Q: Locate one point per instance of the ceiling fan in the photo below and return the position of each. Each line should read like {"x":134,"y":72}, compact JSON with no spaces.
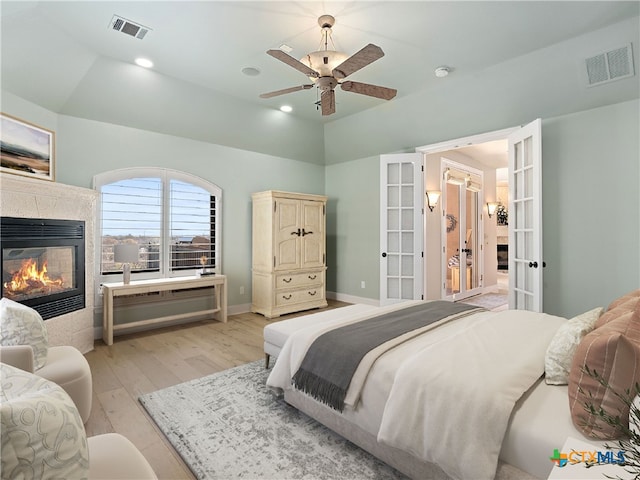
{"x":327,"y":69}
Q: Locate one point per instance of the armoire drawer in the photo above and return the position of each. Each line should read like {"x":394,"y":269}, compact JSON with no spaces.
{"x":309,"y":294}
{"x":293,"y":280}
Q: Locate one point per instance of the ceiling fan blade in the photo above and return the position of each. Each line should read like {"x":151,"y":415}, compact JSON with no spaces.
{"x":358,"y":60}
{"x":292,"y":62}
{"x":328,"y":102}
{"x":286,"y":90}
{"x":368,"y":89}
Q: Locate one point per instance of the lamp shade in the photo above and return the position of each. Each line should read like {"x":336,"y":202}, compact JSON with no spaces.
{"x":432,"y":198}
{"x":126,"y":253}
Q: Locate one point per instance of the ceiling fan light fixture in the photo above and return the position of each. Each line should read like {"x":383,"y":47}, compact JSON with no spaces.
{"x":286,"y":108}
{"x":323,"y":61}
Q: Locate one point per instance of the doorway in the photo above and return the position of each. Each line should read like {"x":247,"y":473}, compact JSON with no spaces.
{"x":488,"y":155}
{"x":423,"y":233}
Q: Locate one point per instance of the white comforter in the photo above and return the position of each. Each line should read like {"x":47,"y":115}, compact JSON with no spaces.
{"x":445,"y":397}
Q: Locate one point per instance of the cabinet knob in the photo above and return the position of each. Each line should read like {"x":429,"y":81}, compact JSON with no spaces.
{"x":312,"y":293}
{"x":384,"y":254}
{"x":286,"y":281}
{"x":312,"y":277}
{"x":286,"y":297}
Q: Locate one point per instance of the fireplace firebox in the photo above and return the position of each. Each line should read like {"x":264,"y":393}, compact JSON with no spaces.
{"x":43,"y":264}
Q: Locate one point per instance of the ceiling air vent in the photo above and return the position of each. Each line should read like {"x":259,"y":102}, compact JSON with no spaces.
{"x":609,"y":66}
{"x":132,"y":29}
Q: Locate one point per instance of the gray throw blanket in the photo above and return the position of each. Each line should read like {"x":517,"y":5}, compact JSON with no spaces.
{"x":332,"y":359}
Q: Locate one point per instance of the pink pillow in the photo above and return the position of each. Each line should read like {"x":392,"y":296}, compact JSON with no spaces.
{"x":613,"y":351}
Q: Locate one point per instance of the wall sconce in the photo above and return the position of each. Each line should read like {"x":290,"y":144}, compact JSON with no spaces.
{"x":491,"y":208}
{"x":432,"y":198}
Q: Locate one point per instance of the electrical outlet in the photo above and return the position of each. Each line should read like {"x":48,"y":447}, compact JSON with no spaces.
{"x":241,"y":290}
{"x":362,"y":284}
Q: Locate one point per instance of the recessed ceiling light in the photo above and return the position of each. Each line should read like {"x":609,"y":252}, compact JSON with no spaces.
{"x":286,"y":108}
{"x":251,"y":71}
{"x":144,"y":62}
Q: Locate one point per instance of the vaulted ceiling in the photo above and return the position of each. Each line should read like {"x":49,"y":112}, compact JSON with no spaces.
{"x":57,"y":53}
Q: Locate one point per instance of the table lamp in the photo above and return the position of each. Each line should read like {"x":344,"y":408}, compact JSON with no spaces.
{"x":126,"y":254}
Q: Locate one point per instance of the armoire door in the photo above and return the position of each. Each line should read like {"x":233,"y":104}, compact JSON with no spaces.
{"x":312,"y":240}
{"x":287,"y":234}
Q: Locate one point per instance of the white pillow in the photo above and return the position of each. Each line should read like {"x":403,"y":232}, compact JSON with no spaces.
{"x":42,"y":432}
{"x":22,"y":325}
{"x":557,"y":361}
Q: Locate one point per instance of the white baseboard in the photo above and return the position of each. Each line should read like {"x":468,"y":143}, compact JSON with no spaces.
{"x":237,"y":309}
{"x":343,"y":297}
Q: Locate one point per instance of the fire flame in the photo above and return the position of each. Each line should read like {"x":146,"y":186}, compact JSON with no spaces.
{"x":29,"y":279}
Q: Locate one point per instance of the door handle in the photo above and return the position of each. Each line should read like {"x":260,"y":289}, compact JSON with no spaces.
{"x":305,"y":233}
{"x":296,"y":233}
{"x":533,"y":264}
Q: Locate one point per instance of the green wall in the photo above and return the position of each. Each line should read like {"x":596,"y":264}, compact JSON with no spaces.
{"x":591,"y":206}
{"x":87,"y":147}
{"x":353,"y":224}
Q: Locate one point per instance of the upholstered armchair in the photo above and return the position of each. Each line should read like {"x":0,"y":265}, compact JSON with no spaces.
{"x":24,"y":344}
{"x":43,"y":435}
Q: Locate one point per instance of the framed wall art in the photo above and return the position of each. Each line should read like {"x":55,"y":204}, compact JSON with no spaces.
{"x":26,"y":149}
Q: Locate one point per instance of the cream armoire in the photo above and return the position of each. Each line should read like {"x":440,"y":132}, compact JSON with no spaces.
{"x":289,"y":249}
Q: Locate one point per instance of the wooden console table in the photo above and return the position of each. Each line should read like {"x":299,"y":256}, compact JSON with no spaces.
{"x":111,"y":290}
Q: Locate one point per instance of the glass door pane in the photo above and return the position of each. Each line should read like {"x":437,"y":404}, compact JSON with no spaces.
{"x":452,"y":244}
{"x":471,"y":243}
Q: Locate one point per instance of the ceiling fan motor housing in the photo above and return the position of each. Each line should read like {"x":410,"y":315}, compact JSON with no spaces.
{"x":327,"y":83}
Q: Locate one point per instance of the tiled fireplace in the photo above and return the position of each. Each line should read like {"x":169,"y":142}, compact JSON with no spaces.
{"x":69,"y":278}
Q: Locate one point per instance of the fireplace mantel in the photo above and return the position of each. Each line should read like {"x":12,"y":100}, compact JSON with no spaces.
{"x":32,"y":198}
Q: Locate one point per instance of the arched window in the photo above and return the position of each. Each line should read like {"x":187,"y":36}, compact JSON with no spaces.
{"x":173,"y":217}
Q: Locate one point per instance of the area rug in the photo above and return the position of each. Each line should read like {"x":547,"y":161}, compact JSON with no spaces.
{"x":230,"y":425}
{"x":488,"y":300}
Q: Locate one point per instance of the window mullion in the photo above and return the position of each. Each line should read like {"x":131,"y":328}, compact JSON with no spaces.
{"x":166,"y":226}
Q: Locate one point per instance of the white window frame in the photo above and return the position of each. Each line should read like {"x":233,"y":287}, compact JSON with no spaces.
{"x":165,"y":175}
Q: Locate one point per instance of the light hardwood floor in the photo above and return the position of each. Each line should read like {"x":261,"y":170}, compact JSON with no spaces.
{"x":144,"y":362}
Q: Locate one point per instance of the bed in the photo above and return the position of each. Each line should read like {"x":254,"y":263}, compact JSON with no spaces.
{"x":483,"y":359}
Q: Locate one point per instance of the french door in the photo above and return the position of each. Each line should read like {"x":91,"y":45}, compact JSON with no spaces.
{"x":401,"y":228}
{"x":525,"y":218}
{"x":462,"y":248}
{"x":402,"y":222}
